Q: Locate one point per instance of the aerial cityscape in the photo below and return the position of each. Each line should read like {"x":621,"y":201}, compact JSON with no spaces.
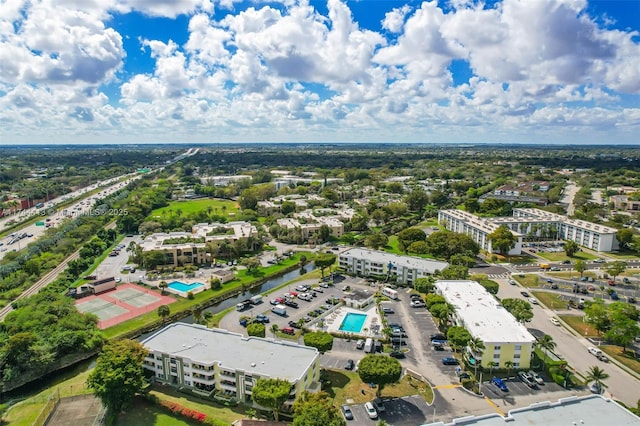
{"x":319,"y":213}
{"x":319,"y":284}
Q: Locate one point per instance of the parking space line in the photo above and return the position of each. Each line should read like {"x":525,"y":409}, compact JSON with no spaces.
{"x":495,"y":407}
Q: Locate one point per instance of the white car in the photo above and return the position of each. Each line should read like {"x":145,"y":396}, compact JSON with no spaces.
{"x":417,"y":304}
{"x":533,"y":300}
{"x":554,"y":321}
{"x":371,"y":411}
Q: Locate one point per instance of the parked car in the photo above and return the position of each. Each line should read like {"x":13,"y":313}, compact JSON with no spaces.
{"x":500,"y":384}
{"x":377,"y":346}
{"x":288,"y":330}
{"x":387,"y":310}
{"x":397,"y":354}
{"x":631,"y":299}
{"x":527,"y":379}
{"x":438,"y":336}
{"x":378,"y":404}
{"x":524,"y":293}
{"x":346,"y":412}
{"x":437,"y":345}
{"x":349,"y":365}
{"x":371,"y":411}
{"x":294,"y":324}
{"x":360,"y":344}
{"x":417,"y":304}
{"x":554,"y":321}
{"x":536,"y":377}
{"x":512,"y":282}
{"x":626,"y":280}
{"x":261,"y":318}
{"x":533,"y":300}
{"x":450,"y":361}
{"x":415,"y":296}
{"x":595,"y":388}
{"x":324,"y":285}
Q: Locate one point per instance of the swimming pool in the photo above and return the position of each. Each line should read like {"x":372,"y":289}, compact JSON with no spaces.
{"x":353,"y":323}
{"x":185,"y":288}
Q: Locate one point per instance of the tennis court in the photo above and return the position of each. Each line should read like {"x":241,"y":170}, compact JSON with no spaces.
{"x":125,"y":302}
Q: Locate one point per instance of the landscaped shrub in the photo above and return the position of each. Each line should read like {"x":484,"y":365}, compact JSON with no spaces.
{"x":188,"y":413}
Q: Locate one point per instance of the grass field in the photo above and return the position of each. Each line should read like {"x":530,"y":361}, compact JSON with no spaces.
{"x":560,"y":256}
{"x":346,"y":385}
{"x":627,"y":358}
{"x":220,"y":207}
{"x":550,"y":300}
{"x":143,"y":412}
{"x":527,"y":280}
{"x":578,"y":324}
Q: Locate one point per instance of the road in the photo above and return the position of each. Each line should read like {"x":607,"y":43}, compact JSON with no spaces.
{"x":573,"y":349}
{"x":568,"y":195}
{"x":51,"y":216}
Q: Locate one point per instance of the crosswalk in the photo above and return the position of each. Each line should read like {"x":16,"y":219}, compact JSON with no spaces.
{"x":504,"y":275}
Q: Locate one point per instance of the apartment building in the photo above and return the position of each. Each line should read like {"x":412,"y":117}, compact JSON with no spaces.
{"x":189,"y":248}
{"x":530,"y":223}
{"x":399,"y":269}
{"x":209,"y":360}
{"x":504,"y":338}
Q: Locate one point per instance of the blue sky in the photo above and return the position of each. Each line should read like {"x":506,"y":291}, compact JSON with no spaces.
{"x":511,"y":71}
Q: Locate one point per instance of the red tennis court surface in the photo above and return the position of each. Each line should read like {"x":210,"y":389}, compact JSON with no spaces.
{"x":125,"y":302}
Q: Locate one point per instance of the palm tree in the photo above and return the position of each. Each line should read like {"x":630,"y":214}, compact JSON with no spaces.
{"x":207,"y":316}
{"x":164,"y":311}
{"x":597,"y":375}
{"x":508,"y":365}
{"x":477,"y":347}
{"x":197,"y":314}
{"x":163,"y":286}
{"x":547,"y":344}
{"x":274,"y":330}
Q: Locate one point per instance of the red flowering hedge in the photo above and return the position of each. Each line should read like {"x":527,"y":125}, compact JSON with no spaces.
{"x":184,"y":411}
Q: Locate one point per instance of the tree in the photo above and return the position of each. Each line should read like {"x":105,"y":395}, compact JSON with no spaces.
{"x":580,"y":266}
{"x":274,"y":329}
{"x":571,"y":247}
{"x":458,"y":337}
{"x":316,"y":409}
{"x":520,"y":309}
{"x":596,"y":374}
{"x":324,"y":261}
{"x":616,"y":268}
{"x":215,"y":283}
{"x":256,"y":329}
{"x":379,"y":369}
{"x":377,"y":240}
{"x":409,"y":236}
{"x":417,"y":200}
{"x":490,"y":285}
{"x":163,"y":287}
{"x":464,"y":260}
{"x":502,"y":239}
{"x":424,"y":284}
{"x":320,"y":340}
{"x":547,"y":344}
{"x":118,"y":374}
{"x":251,"y":263}
{"x":477,"y":347}
{"x":624,"y":236}
{"x":271,"y":393}
{"x":441,"y":311}
{"x":508,"y":365}
{"x":623,"y":331}
{"x":455,"y":272}
{"x":164,"y":311}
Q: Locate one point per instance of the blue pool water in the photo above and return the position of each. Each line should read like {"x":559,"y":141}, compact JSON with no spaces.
{"x":353,"y":322}
{"x":185,"y":288}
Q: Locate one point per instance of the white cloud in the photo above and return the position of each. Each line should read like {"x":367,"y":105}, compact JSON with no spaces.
{"x":394,"y":20}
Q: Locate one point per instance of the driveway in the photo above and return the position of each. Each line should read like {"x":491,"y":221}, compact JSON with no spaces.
{"x":409,"y":411}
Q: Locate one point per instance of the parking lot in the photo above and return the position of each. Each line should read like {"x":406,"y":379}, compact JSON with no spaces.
{"x":409,"y":411}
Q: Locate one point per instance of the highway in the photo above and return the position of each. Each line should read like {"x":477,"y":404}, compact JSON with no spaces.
{"x":51,"y":217}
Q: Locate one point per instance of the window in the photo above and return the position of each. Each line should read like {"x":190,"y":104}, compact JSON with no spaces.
{"x":496,"y":356}
{"x":496,"y":348}
{"x":516,"y":365}
{"x":516,"y":356}
{"x":518,"y":347}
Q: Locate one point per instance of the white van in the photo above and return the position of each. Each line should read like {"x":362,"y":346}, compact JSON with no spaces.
{"x":368,"y":345}
{"x":390,"y":293}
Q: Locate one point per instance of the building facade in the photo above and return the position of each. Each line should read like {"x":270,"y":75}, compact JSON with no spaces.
{"x":529,"y":223}
{"x":504,"y":338}
{"x":212,"y":360}
{"x":399,"y":269}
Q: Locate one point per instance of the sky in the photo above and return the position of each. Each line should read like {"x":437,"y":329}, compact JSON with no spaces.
{"x":199,"y":71}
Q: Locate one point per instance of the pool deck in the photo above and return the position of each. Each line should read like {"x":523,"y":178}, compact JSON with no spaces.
{"x":333,"y":321}
{"x":187,"y":281}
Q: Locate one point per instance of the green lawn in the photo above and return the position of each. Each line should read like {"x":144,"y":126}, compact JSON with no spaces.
{"x":143,"y":412}
{"x":560,"y":256}
{"x":346,"y":385}
{"x":221,"y":207}
{"x":527,"y":280}
{"x":577,"y":323}
{"x":392,"y":247}
{"x":627,"y":358}
{"x":550,"y":300}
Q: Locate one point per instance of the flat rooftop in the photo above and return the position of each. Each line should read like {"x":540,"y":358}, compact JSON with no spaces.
{"x":427,"y":265}
{"x":482,"y":314}
{"x":592,"y":410}
{"x":264,"y":357}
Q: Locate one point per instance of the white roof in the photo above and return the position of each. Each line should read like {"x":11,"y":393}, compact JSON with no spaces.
{"x":481,"y":314}
{"x":427,"y":265}
{"x":208,"y":346}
